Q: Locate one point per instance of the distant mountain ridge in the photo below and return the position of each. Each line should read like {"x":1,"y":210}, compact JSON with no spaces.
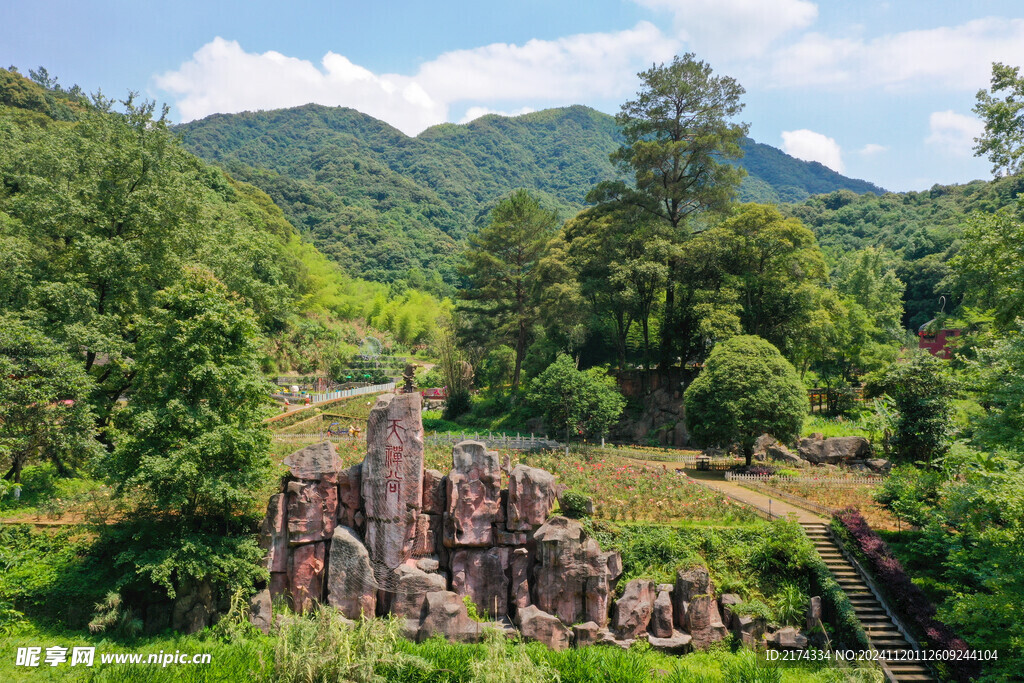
{"x":391,"y":206}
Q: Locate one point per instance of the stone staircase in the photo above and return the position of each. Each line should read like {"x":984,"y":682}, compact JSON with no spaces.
{"x":881,"y":630}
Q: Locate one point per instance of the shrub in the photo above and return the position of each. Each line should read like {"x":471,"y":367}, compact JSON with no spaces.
{"x":745,"y":389}
{"x":575,"y":504}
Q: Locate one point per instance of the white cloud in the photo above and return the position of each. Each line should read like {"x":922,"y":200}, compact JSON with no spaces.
{"x":733,"y":29}
{"x":954,"y":133}
{"x":810,"y":146}
{"x":223,"y":77}
{"x":957,"y":57}
{"x":872,"y":149}
{"x":473,"y":113}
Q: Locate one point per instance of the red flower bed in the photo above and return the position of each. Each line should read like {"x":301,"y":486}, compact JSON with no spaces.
{"x":908,"y":599}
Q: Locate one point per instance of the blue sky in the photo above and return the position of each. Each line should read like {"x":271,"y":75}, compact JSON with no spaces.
{"x":876,"y":90}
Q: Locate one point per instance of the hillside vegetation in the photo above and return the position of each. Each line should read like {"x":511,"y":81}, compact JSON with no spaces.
{"x":388,"y":206}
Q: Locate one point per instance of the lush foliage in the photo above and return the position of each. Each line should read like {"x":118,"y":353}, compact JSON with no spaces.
{"x":745,"y":389}
{"x":389,"y":207}
{"x":580,"y":401}
{"x":922,"y":391}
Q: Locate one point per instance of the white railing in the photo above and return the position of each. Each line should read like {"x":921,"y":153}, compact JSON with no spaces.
{"x":834,"y":481}
{"x":518,"y":442}
{"x":358,"y":391}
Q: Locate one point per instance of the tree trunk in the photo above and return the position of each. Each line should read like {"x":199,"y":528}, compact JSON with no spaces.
{"x":748,"y":452}
{"x":520,"y":355}
{"x":668,"y":321}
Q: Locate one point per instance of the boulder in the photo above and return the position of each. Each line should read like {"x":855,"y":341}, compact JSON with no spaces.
{"x":351,"y":586}
{"x":306,"y":575}
{"x":878,"y":465}
{"x":274,"y":534}
{"x":727,"y":602}
{"x":427,"y":564}
{"x":661,"y":617}
{"x":473,"y":496}
{"x":834,"y":450}
{"x":763,"y":442}
{"x":788,"y":638}
{"x":678,"y":643}
{"x":531,"y":495}
{"x":561,"y":571}
{"x":312,"y":509}
{"x":481,"y":575}
{"x":585,"y":634}
{"x":433,"y":492}
{"x":704,"y":621}
{"x":689,"y":584}
{"x":314,"y":462}
{"x":392,"y":480}
{"x":411,"y":588}
{"x":749,"y":630}
{"x":780,"y":453}
{"x":350,"y":498}
{"x":260,"y":610}
{"x":444,"y":614}
{"x":633,"y":610}
{"x":536,"y":624}
{"x":193,"y":608}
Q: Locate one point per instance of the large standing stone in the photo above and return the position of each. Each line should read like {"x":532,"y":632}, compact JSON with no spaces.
{"x":661,"y":618}
{"x":433,"y":492}
{"x":312,"y":509}
{"x":814,"y":614}
{"x":601,"y":570}
{"x":695,"y":608}
{"x":474,"y":495}
{"x":538,"y":625}
{"x":728,"y":601}
{"x":531,"y":495}
{"x":350,"y":496}
{"x":193,"y":608}
{"x":585,"y":634}
{"x":306,"y":575}
{"x":392,"y":481}
{"x":261,"y":611}
{"x":428,"y":535}
{"x":561,"y":570}
{"x":351,"y":586}
{"x":480,"y":574}
{"x":274,"y":534}
{"x":520,"y":587}
{"x":633,"y":610}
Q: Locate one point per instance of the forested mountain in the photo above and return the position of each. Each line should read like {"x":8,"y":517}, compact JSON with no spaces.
{"x":387,"y":206}
{"x":921,"y":228}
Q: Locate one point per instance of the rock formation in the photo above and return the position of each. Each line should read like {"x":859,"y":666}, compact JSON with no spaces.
{"x":386,"y":536}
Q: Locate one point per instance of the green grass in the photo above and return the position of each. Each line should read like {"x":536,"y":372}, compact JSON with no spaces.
{"x":834,"y":426}
{"x":319,"y":648}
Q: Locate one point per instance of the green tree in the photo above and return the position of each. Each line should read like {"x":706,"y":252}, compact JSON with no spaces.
{"x":1002,"y":110}
{"x":44,"y":408}
{"x":502,"y":295}
{"x":988,"y":270}
{"x":745,"y":389}
{"x":922,"y":389}
{"x":575,"y":400}
{"x":678,"y":134}
{"x":498,"y":367}
{"x":192,"y":443}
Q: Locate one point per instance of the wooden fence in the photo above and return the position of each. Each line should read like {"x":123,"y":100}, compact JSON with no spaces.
{"x":518,"y":442}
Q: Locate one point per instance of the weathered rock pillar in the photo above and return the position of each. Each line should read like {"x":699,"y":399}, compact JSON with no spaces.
{"x":392,"y":483}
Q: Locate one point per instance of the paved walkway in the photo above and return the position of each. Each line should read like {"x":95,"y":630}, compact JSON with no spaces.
{"x":761,"y":501}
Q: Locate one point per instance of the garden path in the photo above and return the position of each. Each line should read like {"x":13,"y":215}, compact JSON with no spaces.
{"x":761,"y":501}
